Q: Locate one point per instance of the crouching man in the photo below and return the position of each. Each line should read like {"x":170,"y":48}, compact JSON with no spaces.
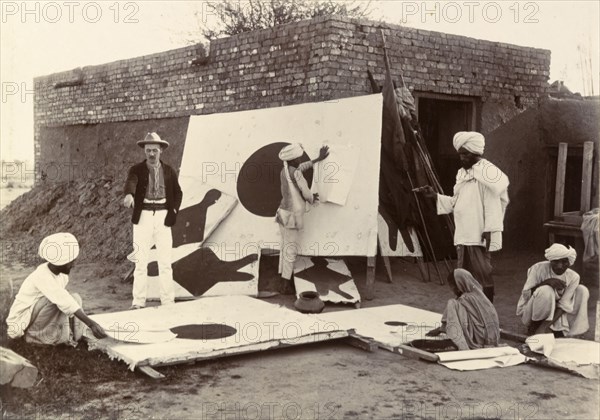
{"x":44,"y":312}
{"x":552,"y":300}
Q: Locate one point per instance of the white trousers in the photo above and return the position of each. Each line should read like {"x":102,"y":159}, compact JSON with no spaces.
{"x":288,"y":251}
{"x":542,"y":304}
{"x":149,"y":231}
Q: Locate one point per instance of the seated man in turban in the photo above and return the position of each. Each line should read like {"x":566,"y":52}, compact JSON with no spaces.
{"x":552,"y":300}
{"x":479,"y":203}
{"x":290,"y":214}
{"x":43,"y":311}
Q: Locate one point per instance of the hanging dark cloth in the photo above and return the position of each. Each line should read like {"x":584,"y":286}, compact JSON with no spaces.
{"x":395,"y":195}
{"x":401,"y":169}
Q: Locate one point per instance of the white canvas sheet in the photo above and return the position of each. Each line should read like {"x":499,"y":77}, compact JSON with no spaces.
{"x":334,"y":177}
{"x":223,"y":288}
{"x":565,"y":350}
{"x":573,"y":350}
{"x":371,"y":323}
{"x":218,"y":145}
{"x":260,"y":326}
{"x":244,"y":288}
{"x":479,"y":359}
{"x":401,"y":250}
{"x":579,"y":356}
{"x":212,"y":206}
{"x":333,"y":282}
{"x":217,"y":210}
{"x":131,"y":334}
{"x":154,"y":291}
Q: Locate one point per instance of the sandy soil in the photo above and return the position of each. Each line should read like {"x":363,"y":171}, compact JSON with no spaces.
{"x":326,"y":380}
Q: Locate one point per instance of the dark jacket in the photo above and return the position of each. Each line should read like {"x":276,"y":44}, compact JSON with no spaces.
{"x":137,"y":184}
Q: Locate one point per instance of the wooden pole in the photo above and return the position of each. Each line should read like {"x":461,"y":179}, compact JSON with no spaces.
{"x":385,"y":48}
{"x":369,"y":292}
{"x":586,"y":176}
{"x":437,"y":269}
{"x":561,"y":168}
{"x":412,"y":186}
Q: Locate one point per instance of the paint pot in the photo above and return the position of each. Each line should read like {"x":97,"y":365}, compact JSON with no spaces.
{"x":309,"y":303}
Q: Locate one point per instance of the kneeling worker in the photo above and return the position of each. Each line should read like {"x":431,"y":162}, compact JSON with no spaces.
{"x":552,"y":300}
{"x":43,"y":309}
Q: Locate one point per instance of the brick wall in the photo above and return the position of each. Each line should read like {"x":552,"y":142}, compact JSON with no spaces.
{"x":320,"y":59}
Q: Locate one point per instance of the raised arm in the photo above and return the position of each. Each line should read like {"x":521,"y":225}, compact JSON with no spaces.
{"x":323,"y":153}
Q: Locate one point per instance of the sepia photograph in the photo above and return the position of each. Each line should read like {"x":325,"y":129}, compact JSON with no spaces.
{"x":300,"y":209}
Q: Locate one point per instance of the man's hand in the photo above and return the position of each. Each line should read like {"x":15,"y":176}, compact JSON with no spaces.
{"x":435,"y":332}
{"x":97,"y":330}
{"x":315,"y":197}
{"x":487,"y":237}
{"x":128,"y":201}
{"x":323,"y":153}
{"x":556,"y":284}
{"x":427,"y":191}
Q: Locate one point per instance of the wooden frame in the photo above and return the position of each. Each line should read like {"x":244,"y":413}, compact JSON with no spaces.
{"x":255,"y":326}
{"x":472,"y":100}
{"x":568,"y":223}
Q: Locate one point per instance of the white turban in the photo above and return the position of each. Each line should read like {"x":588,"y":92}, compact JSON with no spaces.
{"x":291,"y":151}
{"x":473,"y":141}
{"x":558,"y":252}
{"x":59,"y":248}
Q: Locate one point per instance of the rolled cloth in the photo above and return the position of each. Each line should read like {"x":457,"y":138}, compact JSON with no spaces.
{"x":59,"y":248}
{"x":473,"y":141}
{"x":558,"y":252}
{"x":291,"y":151}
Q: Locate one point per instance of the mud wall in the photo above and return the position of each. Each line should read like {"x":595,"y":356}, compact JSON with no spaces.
{"x":522,"y":148}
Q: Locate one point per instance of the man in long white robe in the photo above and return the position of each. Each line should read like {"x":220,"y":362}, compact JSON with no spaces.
{"x":552,"y":299}
{"x":479,"y":203}
{"x":290,"y":214}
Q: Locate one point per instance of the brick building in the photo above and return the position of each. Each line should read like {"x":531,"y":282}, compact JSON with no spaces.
{"x":314,"y":60}
{"x":86,"y":120}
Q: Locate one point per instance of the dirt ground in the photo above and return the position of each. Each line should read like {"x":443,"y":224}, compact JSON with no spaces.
{"x":326,"y":380}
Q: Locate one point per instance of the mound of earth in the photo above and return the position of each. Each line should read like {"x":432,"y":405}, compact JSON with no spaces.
{"x":90,"y":209}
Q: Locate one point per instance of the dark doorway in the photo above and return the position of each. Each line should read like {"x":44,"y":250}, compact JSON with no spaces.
{"x":440,"y":119}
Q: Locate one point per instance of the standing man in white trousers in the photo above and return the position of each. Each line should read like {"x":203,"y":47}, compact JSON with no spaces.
{"x":152,"y":189}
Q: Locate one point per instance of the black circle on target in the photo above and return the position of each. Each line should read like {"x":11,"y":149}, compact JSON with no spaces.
{"x":258,"y":184}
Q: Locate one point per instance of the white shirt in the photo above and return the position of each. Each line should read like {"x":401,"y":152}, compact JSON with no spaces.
{"x":41,"y":283}
{"x":479,"y":203}
{"x":541,"y":271}
{"x":290,"y":213}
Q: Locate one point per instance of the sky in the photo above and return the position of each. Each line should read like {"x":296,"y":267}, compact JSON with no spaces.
{"x":43,"y":37}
